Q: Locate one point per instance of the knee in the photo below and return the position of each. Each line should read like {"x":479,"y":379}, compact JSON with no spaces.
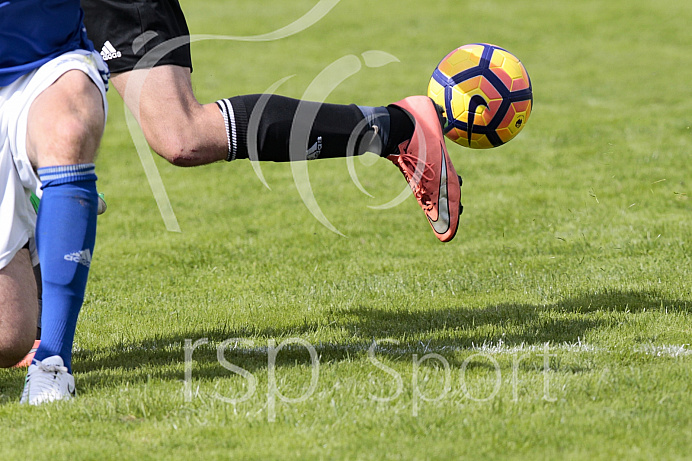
{"x":81,"y":136}
{"x":14,"y":347}
{"x":178,"y":147}
{"x":185,"y":135}
{"x":82,"y":130}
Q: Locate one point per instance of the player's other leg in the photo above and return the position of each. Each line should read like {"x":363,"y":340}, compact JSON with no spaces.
{"x":187,"y":133}
{"x":18,"y":309}
{"x":267,"y":127}
{"x":275,"y":128}
{"x":29,"y":357}
{"x":64,"y":126}
{"x":154,"y":80}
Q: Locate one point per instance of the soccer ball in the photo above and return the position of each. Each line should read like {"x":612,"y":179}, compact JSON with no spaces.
{"x":486,"y":95}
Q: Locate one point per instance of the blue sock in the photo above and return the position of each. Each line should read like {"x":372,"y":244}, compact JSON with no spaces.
{"x":65,"y":236}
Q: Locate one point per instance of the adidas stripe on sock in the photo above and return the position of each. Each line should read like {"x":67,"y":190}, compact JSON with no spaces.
{"x":226,"y":109}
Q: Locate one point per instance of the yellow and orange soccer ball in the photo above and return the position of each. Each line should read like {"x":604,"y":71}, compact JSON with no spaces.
{"x":486,"y":95}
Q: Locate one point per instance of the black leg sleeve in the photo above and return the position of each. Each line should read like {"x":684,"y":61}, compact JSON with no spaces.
{"x":280,"y":129}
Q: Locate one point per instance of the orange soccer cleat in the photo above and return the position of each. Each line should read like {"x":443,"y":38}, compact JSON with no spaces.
{"x":425,"y":163}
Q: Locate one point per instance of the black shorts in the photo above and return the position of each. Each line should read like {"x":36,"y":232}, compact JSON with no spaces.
{"x":126,"y":32}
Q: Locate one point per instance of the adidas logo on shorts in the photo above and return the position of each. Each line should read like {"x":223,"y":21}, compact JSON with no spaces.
{"x":109,"y":52}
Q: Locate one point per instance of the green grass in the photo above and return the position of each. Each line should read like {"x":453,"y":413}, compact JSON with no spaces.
{"x":575,"y":242}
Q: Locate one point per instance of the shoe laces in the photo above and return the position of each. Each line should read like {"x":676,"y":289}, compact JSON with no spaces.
{"x":409,"y":164}
{"x":51,"y":368}
{"x":45,"y":376}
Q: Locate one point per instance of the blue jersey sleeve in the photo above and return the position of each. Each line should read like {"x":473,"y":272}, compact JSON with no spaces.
{"x":32,"y":32}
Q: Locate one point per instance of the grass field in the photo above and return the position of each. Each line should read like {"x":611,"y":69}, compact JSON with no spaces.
{"x":557,"y":325}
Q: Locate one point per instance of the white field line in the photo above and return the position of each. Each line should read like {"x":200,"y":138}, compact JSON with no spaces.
{"x":665,"y":350}
{"x":390,"y":346}
{"x":499,"y":348}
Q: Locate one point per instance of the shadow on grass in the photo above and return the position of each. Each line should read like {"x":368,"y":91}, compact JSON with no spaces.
{"x":416,"y":331}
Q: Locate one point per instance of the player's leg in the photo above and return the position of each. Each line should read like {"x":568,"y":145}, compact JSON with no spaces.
{"x":276,"y":128}
{"x":188,"y":133}
{"x":64,"y":128}
{"x":152,"y":72}
{"x":146,"y":45}
{"x":18,"y":292}
{"x":29,"y":357}
{"x":18,"y":309}
{"x":64,"y":125}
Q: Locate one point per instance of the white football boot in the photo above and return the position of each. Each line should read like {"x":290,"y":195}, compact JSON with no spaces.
{"x":47,"y":381}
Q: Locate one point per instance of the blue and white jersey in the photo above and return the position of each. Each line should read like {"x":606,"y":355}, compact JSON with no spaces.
{"x":32,"y":32}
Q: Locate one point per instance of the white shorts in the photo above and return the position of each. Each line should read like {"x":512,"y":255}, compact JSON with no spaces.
{"x":17,"y":176}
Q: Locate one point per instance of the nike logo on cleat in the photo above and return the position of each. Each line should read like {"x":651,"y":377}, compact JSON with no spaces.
{"x":441,"y":224}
